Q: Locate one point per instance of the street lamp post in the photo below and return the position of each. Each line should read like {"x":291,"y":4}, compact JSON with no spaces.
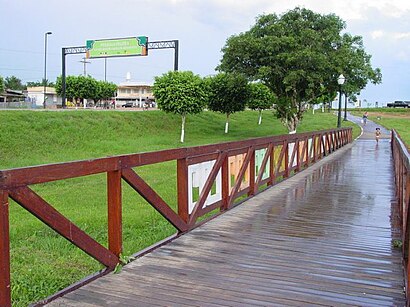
{"x":345,"y":116}
{"x":45,"y":67}
{"x":340,"y":80}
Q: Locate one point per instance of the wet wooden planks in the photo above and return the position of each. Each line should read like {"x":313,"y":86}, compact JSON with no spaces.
{"x":322,"y":238}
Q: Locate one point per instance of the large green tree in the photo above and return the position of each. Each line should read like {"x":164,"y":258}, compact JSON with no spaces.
{"x":228,"y":93}
{"x":180,"y":92}
{"x":78,"y":87}
{"x":356,"y":65}
{"x":295,"y":55}
{"x":14,"y":83}
{"x":261,"y":98}
{"x":2,"y":88}
{"x":104,"y":91}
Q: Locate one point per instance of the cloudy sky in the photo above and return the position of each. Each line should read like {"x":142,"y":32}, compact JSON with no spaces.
{"x":201,"y":27}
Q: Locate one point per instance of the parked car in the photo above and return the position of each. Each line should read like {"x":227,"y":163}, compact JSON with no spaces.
{"x":128,"y":104}
{"x":399,"y":104}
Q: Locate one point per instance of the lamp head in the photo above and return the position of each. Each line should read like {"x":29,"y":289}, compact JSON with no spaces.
{"x":48,"y":33}
{"x":341,"y":79}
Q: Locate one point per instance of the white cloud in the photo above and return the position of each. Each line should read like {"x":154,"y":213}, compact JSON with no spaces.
{"x":377,"y":34}
{"x":401,"y":36}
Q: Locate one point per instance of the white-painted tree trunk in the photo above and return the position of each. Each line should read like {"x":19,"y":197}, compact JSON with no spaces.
{"x":260,"y":117}
{"x":313,"y":112}
{"x":292,"y":132}
{"x":227,"y":123}
{"x":183,"y":129}
{"x":323,"y":107}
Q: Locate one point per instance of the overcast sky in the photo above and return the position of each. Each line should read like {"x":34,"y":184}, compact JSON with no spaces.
{"x":201,"y":27}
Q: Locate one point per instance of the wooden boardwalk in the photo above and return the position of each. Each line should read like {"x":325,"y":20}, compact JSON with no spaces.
{"x":321,"y":238}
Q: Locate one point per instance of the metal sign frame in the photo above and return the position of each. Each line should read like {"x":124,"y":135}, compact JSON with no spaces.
{"x":171,"y":44}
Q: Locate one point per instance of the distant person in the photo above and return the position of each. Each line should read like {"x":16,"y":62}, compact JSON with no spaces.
{"x":378,"y":134}
{"x":364,"y":118}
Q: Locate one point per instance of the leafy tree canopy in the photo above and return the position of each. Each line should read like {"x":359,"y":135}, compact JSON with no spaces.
{"x":104,"y":90}
{"x":261,"y":97}
{"x":356,"y":65}
{"x":2,"y":88}
{"x":80,"y":87}
{"x":180,"y":92}
{"x":295,"y":55}
{"x":228,"y":93}
{"x":14,"y":83}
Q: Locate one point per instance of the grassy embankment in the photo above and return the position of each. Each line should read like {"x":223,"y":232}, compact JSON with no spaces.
{"x":42,"y":261}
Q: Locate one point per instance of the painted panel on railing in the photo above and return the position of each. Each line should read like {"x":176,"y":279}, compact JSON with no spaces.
{"x":197,"y":177}
{"x":301,"y":148}
{"x":259,"y":155}
{"x":322,"y":151}
{"x":310,"y":150}
{"x":276,"y":155}
{"x":291,"y":147}
{"x":235,"y":164}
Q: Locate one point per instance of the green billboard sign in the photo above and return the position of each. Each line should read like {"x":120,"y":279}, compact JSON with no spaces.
{"x":103,"y":48}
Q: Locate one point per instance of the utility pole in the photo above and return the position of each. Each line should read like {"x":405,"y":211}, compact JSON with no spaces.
{"x":45,"y":69}
{"x":85,"y":62}
{"x":105,"y":69}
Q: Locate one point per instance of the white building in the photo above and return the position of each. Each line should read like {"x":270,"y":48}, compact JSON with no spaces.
{"x":36,"y":95}
{"x":136,"y":93}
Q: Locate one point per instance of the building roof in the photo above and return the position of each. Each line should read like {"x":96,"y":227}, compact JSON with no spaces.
{"x":13,"y":93}
{"x":40,"y":90}
{"x":134,"y":84}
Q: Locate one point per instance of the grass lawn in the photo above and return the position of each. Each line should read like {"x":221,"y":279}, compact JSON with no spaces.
{"x":42,"y":261}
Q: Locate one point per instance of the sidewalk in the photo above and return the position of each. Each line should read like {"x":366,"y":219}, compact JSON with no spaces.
{"x":369,"y":129}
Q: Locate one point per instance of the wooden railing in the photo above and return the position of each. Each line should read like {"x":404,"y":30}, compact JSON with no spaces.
{"x":401,"y":158}
{"x":209,"y":179}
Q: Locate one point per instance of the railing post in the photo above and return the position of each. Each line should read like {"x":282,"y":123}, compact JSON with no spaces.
{"x":314,"y":149}
{"x":272,"y":166}
{"x":252,"y":165}
{"x":114,"y":212}
{"x":5,"y":289}
{"x":297,"y":145}
{"x":286,"y":144}
{"x":225,"y":184}
{"x":182,"y":186}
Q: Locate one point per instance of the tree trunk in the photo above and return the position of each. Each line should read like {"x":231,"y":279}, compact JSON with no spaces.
{"x":227,"y":123}
{"x":183,"y":128}
{"x":291,"y":124}
{"x":260,"y":117}
{"x":313,"y":108}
